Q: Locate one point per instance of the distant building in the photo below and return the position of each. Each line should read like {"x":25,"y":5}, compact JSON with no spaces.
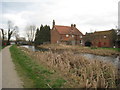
{"x":66,"y":35}
{"x":100,"y":38}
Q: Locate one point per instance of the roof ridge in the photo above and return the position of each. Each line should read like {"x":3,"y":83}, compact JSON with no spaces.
{"x":103,"y":31}
{"x":67,"y":29}
{"x":62,"y":26}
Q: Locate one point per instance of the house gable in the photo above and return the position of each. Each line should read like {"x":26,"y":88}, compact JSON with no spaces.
{"x":55,"y":36}
{"x":65,"y":33}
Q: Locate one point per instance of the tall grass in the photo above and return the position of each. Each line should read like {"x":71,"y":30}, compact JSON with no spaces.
{"x":32,"y":74}
{"x":82,"y":72}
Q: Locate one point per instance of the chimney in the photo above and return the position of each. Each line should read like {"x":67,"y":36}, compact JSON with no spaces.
{"x":75,"y":25}
{"x":72,"y":26}
{"x":53,"y":23}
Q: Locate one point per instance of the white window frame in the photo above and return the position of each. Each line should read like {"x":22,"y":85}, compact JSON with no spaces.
{"x":105,"y":36}
{"x":67,"y":35}
{"x":57,"y":41}
{"x":81,"y":36}
{"x":81,"y":42}
{"x":72,"y":35}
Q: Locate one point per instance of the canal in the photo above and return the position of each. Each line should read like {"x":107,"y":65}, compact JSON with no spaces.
{"x":112,"y":59}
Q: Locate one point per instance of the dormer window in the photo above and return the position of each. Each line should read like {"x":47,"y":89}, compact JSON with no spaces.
{"x":80,"y":36}
{"x":72,"y":35}
{"x":67,"y":35}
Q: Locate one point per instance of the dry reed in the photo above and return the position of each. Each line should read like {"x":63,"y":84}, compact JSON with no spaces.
{"x":84,"y":73}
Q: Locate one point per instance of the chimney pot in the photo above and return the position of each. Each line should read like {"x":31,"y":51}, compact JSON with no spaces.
{"x":53,"y":23}
{"x":71,"y":25}
{"x":74,"y":25}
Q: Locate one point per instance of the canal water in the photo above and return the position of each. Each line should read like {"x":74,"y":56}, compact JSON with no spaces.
{"x":33,"y":48}
{"x":114,"y":60}
{"x":111,"y":59}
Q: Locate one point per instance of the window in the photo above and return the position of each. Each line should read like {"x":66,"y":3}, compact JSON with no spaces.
{"x":72,"y":35}
{"x":104,"y":36}
{"x":80,"y":36}
{"x":67,"y":35}
{"x":81,"y":42}
{"x":57,"y":41}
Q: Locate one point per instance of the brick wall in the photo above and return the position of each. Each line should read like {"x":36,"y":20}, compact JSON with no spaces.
{"x":99,"y":40}
{"x":55,"y":36}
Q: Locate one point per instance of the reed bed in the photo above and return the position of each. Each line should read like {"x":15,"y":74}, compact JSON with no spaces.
{"x":79,"y":72}
{"x":81,"y":49}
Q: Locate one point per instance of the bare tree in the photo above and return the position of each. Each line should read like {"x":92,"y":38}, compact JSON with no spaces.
{"x":30,"y":32}
{"x":3,"y":36}
{"x":3,"y":33}
{"x":16,"y":34}
{"x":11,"y":30}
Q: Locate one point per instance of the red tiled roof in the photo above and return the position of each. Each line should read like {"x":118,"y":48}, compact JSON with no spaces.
{"x":67,"y":30}
{"x":104,"y":32}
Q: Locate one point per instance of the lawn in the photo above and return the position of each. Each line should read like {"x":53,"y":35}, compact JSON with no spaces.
{"x":32,"y":74}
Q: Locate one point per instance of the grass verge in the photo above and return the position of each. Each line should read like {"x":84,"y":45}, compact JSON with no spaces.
{"x":1,"y":47}
{"x":32,"y":74}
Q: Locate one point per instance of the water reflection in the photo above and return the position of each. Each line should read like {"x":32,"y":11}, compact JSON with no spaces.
{"x":114,"y":60}
{"x":33,"y":48}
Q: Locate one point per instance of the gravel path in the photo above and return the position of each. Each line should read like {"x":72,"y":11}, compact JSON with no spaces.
{"x":10,"y":78}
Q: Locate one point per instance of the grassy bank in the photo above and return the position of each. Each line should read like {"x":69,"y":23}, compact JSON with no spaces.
{"x":32,"y":74}
{"x":1,"y":47}
{"x":79,"y":71}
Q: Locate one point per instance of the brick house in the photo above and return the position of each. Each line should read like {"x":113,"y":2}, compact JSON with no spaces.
{"x":100,"y":38}
{"x":66,"y":34}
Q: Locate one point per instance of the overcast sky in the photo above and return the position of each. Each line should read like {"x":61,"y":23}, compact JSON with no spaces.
{"x":88,"y":15}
